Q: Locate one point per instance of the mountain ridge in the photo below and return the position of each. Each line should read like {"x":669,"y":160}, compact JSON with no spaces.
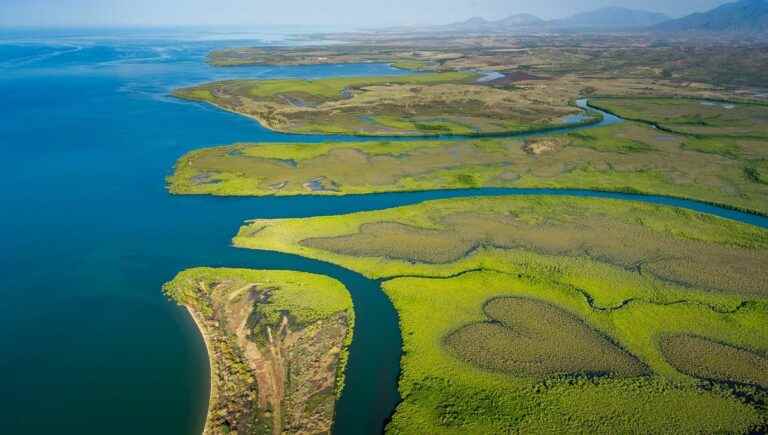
{"x":744,"y":16}
{"x":613,"y":17}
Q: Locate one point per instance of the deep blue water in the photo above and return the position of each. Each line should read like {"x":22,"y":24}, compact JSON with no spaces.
{"x":89,"y":234}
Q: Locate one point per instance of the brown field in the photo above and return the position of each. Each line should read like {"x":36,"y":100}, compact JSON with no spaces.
{"x":531,"y":338}
{"x":685,"y":61}
{"x":707,"y":359}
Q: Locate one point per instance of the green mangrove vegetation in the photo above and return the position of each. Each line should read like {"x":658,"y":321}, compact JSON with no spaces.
{"x":693,"y":117}
{"x":517,"y":314}
{"x":553,"y":314}
{"x":630,"y":157}
{"x":277,"y":343}
{"x":545,"y":339}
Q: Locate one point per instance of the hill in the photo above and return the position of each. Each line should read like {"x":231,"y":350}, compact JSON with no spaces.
{"x":479,"y":24}
{"x":749,"y":16}
{"x":617,"y":17}
{"x":610,"y":17}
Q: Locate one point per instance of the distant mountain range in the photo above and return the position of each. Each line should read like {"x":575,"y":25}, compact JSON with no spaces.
{"x":478,"y":24}
{"x":750,"y":16}
{"x":613,"y":17}
{"x":741,"y":16}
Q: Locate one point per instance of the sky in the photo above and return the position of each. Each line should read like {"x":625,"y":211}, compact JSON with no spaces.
{"x":341,"y":13}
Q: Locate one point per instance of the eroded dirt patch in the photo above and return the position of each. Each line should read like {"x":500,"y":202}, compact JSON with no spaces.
{"x":276,"y":354}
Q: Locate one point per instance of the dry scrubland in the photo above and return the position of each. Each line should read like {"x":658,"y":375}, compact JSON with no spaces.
{"x":405,"y":59}
{"x":605,"y":56}
{"x":550,"y":325}
{"x":277,"y":344}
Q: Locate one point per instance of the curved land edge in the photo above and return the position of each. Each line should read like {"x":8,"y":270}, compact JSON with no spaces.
{"x":589,"y":122}
{"x":258,"y":324}
{"x":660,"y":127}
{"x":478,"y":175}
{"x":205,"y":335}
{"x":625,"y":194}
{"x":426,"y":105}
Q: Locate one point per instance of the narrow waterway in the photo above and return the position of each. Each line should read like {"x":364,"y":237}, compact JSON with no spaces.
{"x":89,"y":235}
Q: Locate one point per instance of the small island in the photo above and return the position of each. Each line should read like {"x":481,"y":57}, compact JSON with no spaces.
{"x":277,"y":343}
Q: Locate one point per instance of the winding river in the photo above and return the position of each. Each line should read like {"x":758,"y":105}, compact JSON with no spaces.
{"x":90,"y":234}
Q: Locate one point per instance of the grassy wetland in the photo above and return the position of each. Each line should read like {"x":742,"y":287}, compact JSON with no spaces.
{"x":519,"y":314}
{"x":629,"y":157}
{"x":277,"y":344}
{"x":701,"y":118}
{"x":450,"y":103}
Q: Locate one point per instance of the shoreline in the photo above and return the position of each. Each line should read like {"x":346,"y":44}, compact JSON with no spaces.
{"x":554,"y":128}
{"x":203,"y":331}
{"x":503,"y":191}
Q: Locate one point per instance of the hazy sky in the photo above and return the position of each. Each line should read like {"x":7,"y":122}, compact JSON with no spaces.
{"x":342,"y":13}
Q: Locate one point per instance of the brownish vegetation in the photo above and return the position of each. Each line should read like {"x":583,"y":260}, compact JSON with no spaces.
{"x":718,"y":61}
{"x":532,"y":338}
{"x":635,"y":247}
{"x":707,"y":359}
{"x":274,"y":365}
{"x":420,"y":104}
